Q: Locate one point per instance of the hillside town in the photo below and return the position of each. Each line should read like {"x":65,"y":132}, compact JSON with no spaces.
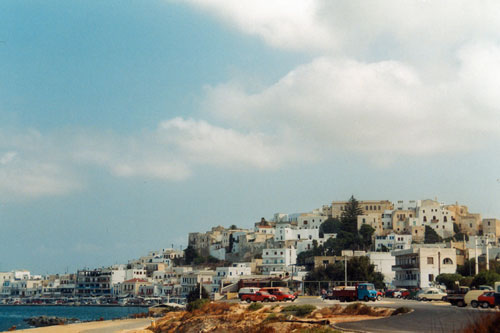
{"x":409,"y":243}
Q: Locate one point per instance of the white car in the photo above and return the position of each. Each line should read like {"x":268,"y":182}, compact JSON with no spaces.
{"x":431,"y":294}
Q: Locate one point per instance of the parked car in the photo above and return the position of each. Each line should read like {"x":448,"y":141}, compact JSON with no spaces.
{"x":431,"y":294}
{"x":487,"y":300}
{"x":282,"y":294}
{"x":260,"y":296}
{"x":390,"y":292}
{"x":380,"y":294}
{"x":247,"y":291}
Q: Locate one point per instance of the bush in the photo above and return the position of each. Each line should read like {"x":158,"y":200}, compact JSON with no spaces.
{"x":255,"y":306}
{"x":272,"y":317}
{"x":300,"y":310}
{"x":448,"y":280}
{"x":399,"y":310}
{"x":485,"y":278}
{"x":196,"y":305}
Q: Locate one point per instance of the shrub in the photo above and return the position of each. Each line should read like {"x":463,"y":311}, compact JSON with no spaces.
{"x":196,"y":305}
{"x":399,"y":310}
{"x":271,"y":317}
{"x":255,"y":306}
{"x":300,"y":310}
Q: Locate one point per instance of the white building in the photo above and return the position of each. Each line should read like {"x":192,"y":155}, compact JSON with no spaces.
{"x":433,"y":214}
{"x":308,"y":244}
{"x":135,"y":273}
{"x":190,"y":280}
{"x":230,"y":274}
{"x":419,"y":266}
{"x":218,"y":251}
{"x":383,"y":262}
{"x":279,"y":260}
{"x":310,"y":221}
{"x":22,"y":275}
{"x":285,"y":232}
{"x":393,"y":242}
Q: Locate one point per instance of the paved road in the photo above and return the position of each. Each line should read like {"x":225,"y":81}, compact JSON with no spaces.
{"x":426,"y":317}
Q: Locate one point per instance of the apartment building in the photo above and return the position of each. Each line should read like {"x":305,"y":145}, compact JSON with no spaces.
{"x":278,"y":260}
{"x":491,"y":226}
{"x":368,"y":207}
{"x":393,"y":242}
{"x":419,"y":265}
{"x":95,"y":282}
{"x":373,"y":220}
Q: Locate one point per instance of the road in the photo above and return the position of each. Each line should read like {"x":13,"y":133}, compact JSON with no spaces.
{"x":426,"y":317}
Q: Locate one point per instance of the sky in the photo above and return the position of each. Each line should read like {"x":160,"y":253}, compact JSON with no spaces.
{"x":126,"y":125}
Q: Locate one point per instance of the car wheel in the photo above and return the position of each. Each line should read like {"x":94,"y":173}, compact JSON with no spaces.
{"x":474,"y":304}
{"x":366,"y":299}
{"x":461,"y":304}
{"x":379,"y":298}
{"x":485,"y":305}
{"x":265,"y":300}
{"x":249,"y":300}
{"x":424,"y":299}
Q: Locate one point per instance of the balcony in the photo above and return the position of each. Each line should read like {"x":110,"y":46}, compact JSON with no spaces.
{"x":406,"y":266}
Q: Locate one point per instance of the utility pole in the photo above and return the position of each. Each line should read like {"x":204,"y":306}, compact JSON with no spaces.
{"x":475,"y":255}
{"x":200,"y":289}
{"x":345,"y":270}
{"x":487,"y":256}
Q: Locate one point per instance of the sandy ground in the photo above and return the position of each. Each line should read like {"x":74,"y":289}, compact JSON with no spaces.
{"x":111,"y":326}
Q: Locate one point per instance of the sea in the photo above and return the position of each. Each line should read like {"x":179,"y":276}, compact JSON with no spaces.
{"x":13,"y":315}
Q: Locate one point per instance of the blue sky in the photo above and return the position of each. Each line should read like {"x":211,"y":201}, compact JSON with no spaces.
{"x":124,"y":126}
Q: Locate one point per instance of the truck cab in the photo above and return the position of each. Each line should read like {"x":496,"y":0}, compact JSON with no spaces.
{"x":366,"y":291}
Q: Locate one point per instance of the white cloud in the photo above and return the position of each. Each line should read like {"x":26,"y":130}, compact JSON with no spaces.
{"x":202,"y":143}
{"x":356,"y":25}
{"x":31,"y":166}
{"x":374,"y":108}
{"x":281,"y":23}
{"x":33,"y":178}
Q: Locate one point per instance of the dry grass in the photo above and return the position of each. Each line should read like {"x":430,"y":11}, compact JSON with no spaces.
{"x":487,"y":324}
{"x":227,"y":317}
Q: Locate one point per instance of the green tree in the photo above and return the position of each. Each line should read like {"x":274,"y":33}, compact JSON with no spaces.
{"x":358,"y":269}
{"x":366,"y":231}
{"x":349,"y":216}
{"x":431,"y":236}
{"x":233,"y":227}
{"x":195,"y":294}
{"x":449,"y":280}
{"x":190,"y":254}
{"x":468,"y":268}
{"x":330,"y":226}
{"x":485,"y":278}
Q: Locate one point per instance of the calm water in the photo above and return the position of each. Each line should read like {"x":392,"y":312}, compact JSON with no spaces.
{"x":14,"y":315}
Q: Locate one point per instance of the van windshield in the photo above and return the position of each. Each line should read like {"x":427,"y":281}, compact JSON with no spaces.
{"x":369,"y":287}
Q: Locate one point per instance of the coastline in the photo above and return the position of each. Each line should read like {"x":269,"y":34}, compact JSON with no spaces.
{"x":119,"y":325}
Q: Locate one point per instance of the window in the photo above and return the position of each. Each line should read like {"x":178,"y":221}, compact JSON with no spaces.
{"x":425,"y":218}
{"x":447,"y":261}
{"x":430,"y":261}
{"x":431,"y":277}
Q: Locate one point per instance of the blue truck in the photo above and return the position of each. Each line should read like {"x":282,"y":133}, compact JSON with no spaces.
{"x":361,"y":292}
